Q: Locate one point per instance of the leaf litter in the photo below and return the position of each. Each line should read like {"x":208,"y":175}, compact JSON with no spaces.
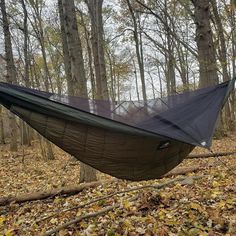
{"x":206,"y":206}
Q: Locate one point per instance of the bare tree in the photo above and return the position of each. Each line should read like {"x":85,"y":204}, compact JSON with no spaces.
{"x":206,"y":48}
{"x":97,"y":40}
{"x":24,"y":127}
{"x":11,"y":70}
{"x":2,"y":135}
{"x":138,"y":45}
{"x":66,"y":56}
{"x":223,"y":59}
{"x":77,"y":84}
{"x":37,"y":25}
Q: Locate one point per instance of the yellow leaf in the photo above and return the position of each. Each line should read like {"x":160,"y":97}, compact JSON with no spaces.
{"x":8,"y":232}
{"x":96,"y":208}
{"x":127,"y":224}
{"x":230,"y":201}
{"x":57,"y":200}
{"x":221,"y":204}
{"x":215,"y":184}
{"x":126,"y":204}
{"x":162,"y":214}
{"x":195,"y":206}
{"x":2,"y":220}
{"x":54,"y":221}
{"x":216,"y":193}
{"x":171,"y":223}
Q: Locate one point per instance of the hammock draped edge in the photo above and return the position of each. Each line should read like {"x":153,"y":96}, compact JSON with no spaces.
{"x":133,"y":151}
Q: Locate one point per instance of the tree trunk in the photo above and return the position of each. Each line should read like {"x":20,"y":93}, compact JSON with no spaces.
{"x":223,"y":61}
{"x":66,"y":56}
{"x":138,"y":48}
{"x":87,"y":173}
{"x":39,"y":31}
{"x":37,"y":26}
{"x":2,"y":135}
{"x":25,"y":128}
{"x":97,"y":32}
{"x":26,"y":53}
{"x":170,"y":59}
{"x":136,"y":79}
{"x":11,"y":71}
{"x":24,"y":133}
{"x":78,"y":83}
{"x":90,"y":57}
{"x":205,"y":45}
{"x":233,"y":43}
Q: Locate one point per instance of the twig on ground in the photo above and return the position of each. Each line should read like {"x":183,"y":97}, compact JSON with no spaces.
{"x":216,"y":154}
{"x":184,"y":170}
{"x":159,"y":186}
{"x":78,"y":219}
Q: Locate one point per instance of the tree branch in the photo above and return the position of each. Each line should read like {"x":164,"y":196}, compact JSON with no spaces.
{"x":78,"y":219}
{"x":216,"y":154}
{"x":160,"y":186}
{"x":70,"y":190}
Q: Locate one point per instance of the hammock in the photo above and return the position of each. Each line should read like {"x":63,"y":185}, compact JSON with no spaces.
{"x":132,"y":140}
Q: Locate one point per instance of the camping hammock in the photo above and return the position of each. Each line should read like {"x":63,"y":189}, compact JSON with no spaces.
{"x":133,"y":140}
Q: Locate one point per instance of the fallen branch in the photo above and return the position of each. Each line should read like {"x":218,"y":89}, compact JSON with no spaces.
{"x":183,"y":170}
{"x":22,"y":154}
{"x":78,"y":219}
{"x":71,"y":190}
{"x":104,"y":210}
{"x":216,"y":154}
{"x":159,"y":186}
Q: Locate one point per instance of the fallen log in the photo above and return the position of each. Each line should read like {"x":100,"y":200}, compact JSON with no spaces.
{"x":207,"y":155}
{"x":70,"y":190}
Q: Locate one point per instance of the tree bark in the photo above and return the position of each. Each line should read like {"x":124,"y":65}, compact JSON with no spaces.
{"x":37,"y":26}
{"x":2,"y":135}
{"x":205,"y":45}
{"x":233,"y":43}
{"x":97,"y":32}
{"x":77,"y":86}
{"x":169,"y":54}
{"x":90,"y":56}
{"x":66,"y":56}
{"x":138,"y":48}
{"x":25,"y":128}
{"x":11,"y":71}
{"x":223,"y":60}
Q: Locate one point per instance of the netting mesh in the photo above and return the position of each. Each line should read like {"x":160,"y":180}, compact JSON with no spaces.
{"x":189,"y":117}
{"x":129,"y":112}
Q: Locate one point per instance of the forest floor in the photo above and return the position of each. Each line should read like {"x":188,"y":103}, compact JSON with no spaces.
{"x":205,"y":206}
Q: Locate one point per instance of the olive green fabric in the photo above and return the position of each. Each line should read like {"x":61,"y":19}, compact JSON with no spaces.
{"x":122,"y":155}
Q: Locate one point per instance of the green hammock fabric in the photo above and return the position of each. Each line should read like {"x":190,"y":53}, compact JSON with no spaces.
{"x":143,"y":150}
